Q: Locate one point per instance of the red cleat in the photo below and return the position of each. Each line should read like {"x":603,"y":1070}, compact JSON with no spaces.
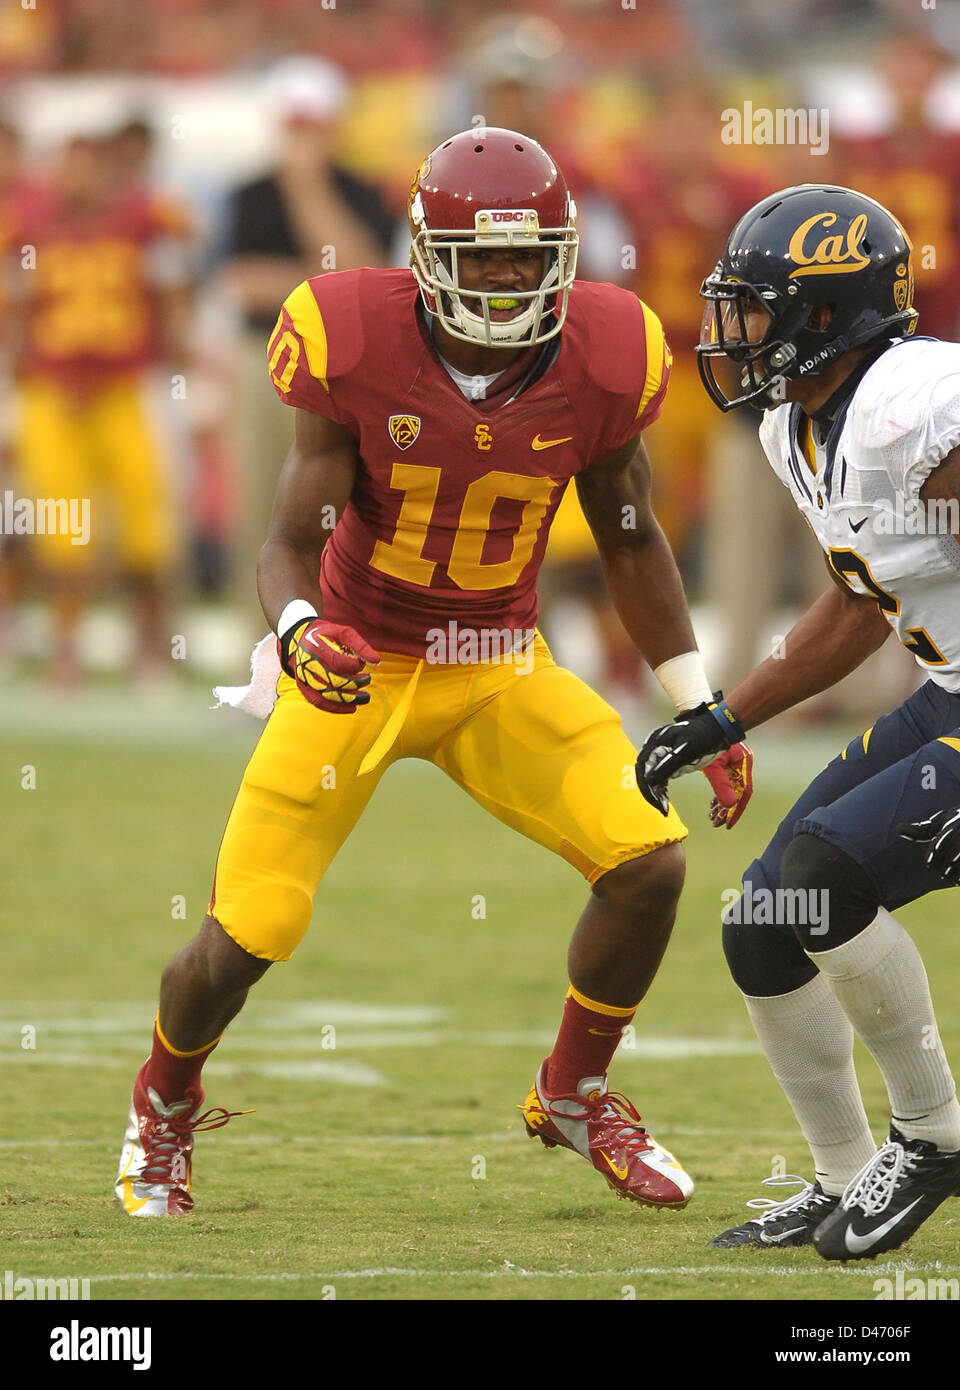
{"x":154,"y":1174}
{"x":604,"y":1127}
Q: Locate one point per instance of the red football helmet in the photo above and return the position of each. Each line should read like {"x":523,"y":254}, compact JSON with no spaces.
{"x":487,"y":189}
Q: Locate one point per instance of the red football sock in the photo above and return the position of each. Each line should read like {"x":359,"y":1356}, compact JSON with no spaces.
{"x":588,"y":1038}
{"x":173,"y":1074}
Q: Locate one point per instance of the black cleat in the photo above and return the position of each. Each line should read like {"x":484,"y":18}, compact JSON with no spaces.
{"x":792,"y":1222}
{"x":891,"y":1196}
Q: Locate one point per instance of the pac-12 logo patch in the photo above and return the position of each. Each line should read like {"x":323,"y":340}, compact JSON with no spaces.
{"x":404,"y":429}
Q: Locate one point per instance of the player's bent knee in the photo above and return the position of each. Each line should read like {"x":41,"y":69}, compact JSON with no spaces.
{"x":229,"y":966}
{"x":651,"y":882}
{"x":830,"y":896}
{"x":269,"y":920}
{"x":762,"y":960}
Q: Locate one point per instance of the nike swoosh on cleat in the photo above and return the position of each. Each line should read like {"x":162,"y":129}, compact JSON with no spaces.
{"x":131,"y":1204}
{"x":538,"y":443}
{"x":621,"y":1173}
{"x":768,"y":1239}
{"x":857,"y":1245}
{"x":858,"y":525}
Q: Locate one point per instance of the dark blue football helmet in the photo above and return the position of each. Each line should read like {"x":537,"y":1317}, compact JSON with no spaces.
{"x":806,"y":247}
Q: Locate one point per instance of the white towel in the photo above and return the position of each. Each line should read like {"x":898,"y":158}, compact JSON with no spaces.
{"x":259,"y":697}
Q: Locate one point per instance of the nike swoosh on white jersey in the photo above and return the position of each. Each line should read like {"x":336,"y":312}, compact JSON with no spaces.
{"x":858,"y":1244}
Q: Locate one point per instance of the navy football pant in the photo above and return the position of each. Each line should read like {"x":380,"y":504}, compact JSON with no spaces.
{"x":840,"y":838}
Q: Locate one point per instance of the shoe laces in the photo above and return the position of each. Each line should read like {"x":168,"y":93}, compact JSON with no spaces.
{"x":875,"y":1184}
{"x":169,"y":1135}
{"x":622,"y":1125}
{"x":618,"y":1116}
{"x":772,"y":1209}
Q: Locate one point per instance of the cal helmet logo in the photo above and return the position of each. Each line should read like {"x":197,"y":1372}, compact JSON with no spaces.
{"x":831,"y":255}
{"x":902,"y":288}
{"x":404,"y":429}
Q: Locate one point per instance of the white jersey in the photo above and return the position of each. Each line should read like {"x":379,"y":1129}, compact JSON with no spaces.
{"x":863,"y":501}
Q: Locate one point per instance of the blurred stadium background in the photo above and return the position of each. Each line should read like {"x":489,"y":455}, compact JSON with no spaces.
{"x":192,"y":160}
{"x":186,"y":163}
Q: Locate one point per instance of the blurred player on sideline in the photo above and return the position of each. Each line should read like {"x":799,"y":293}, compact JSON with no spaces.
{"x":13,"y":186}
{"x":305,"y":215}
{"x":439,"y":417}
{"x":811,"y":303}
{"x":105,"y":299}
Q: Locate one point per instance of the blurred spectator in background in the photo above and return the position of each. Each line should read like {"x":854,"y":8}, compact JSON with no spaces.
{"x":896,"y":148}
{"x":628,"y":100}
{"x":11,"y":189}
{"x":715,"y":503}
{"x":100,"y":298}
{"x":513,"y":72}
{"x":305,"y":217}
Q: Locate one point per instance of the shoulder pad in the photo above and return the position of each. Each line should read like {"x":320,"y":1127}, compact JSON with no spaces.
{"x":905,"y":414}
{"x":625,"y":354}
{"x":326,"y":314}
{"x":894,"y":399}
{"x":774,"y":438}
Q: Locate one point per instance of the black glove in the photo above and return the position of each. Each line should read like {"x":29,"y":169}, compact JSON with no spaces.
{"x":694,"y":739}
{"x":943,"y":829}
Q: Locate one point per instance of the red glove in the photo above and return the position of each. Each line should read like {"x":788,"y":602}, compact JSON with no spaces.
{"x":327,"y":660}
{"x":731,"y":776}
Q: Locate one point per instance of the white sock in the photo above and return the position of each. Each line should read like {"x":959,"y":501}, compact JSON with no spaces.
{"x":808,"y":1041}
{"x":879,"y":980}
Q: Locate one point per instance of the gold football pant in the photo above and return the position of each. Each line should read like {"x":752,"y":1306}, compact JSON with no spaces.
{"x":525,"y":738}
{"x":104,"y":448}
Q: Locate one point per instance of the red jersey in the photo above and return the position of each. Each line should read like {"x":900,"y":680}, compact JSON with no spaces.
{"x":90,"y":305}
{"x":916,"y":175}
{"x":453,"y":498}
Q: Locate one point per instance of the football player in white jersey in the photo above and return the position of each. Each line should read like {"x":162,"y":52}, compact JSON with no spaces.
{"x":811,"y":304}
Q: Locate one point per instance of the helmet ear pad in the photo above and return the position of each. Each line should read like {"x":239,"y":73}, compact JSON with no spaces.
{"x":820,"y":317}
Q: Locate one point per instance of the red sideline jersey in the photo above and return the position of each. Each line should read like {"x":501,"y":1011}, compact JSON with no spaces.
{"x":453,"y":499}
{"x":90,"y":306}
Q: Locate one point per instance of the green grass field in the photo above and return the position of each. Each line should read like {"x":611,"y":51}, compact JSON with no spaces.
{"x":360,"y":1169}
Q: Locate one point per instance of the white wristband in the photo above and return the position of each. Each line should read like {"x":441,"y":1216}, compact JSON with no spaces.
{"x":684,"y":680}
{"x":298,"y":610}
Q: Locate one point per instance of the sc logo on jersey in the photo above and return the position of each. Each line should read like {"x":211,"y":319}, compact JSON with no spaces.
{"x":482,"y":437}
{"x":404,"y":429}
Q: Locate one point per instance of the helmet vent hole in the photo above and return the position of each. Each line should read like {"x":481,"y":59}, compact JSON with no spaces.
{"x":867,"y":247}
{"x":478,"y":149}
{"x":519,"y":147}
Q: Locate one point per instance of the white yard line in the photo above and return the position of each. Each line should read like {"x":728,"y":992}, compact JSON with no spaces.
{"x":510,"y":1271}
{"x":85,"y":1047}
{"x":255,"y":1140}
{"x":307,"y":1069}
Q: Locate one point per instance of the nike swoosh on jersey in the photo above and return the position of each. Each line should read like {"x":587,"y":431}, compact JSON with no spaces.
{"x":858,"y":1244}
{"x":538,"y":443}
{"x":859,"y":524}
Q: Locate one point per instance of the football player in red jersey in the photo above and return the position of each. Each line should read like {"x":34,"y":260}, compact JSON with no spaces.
{"x":439,"y":418}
